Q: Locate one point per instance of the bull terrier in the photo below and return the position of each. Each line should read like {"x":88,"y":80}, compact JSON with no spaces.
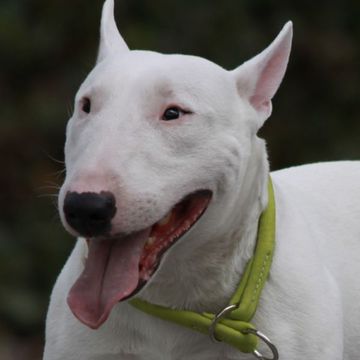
{"x":166,"y":180}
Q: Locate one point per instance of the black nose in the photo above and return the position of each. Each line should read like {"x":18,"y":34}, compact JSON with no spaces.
{"x":90,"y":213}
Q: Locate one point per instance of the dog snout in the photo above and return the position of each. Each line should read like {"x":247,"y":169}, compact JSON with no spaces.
{"x":90,"y":213}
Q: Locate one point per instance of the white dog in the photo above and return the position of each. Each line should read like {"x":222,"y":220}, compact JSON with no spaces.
{"x":155,"y":142}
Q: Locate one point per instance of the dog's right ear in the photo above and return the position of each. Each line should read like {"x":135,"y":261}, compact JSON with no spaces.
{"x":110,"y":38}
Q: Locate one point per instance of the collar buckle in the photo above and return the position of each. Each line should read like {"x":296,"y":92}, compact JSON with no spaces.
{"x":257,"y":333}
{"x":217,"y":318}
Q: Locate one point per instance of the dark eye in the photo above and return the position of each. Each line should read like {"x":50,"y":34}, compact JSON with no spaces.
{"x":171,"y":113}
{"x":86,"y":105}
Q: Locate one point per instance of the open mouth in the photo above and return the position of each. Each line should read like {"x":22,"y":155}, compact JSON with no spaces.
{"x":117,"y":268}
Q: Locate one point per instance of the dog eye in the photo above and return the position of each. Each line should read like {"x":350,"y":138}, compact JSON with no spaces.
{"x":86,"y":105}
{"x":171,"y":113}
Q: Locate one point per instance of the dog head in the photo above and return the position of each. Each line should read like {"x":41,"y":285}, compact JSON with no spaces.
{"x":155,"y":142}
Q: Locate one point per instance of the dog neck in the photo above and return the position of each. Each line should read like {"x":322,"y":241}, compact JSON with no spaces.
{"x":221,"y":261}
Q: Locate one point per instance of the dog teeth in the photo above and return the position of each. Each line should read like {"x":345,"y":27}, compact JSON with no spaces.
{"x":150,"y":240}
{"x":165,"y":220}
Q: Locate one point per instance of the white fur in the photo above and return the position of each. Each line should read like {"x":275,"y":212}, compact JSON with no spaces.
{"x":310,"y":306}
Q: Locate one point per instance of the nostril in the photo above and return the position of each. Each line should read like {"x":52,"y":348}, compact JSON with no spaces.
{"x":97,"y":217}
{"x":90,"y":213}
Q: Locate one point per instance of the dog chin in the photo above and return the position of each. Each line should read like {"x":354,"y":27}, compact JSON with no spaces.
{"x":117,"y":268}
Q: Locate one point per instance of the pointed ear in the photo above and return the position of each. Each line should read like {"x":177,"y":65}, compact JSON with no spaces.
{"x":259,"y":78}
{"x":110,"y":38}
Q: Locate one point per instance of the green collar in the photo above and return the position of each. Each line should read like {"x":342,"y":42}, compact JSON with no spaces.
{"x":234,"y":329}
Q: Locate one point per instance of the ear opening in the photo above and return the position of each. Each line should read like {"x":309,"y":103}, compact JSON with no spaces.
{"x":110,"y":38}
{"x":259,"y":78}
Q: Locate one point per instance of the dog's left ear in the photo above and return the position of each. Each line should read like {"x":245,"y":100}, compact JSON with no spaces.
{"x":110,"y":38}
{"x":259,"y":78}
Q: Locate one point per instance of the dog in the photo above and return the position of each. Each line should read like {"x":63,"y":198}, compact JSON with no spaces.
{"x":166,"y":180}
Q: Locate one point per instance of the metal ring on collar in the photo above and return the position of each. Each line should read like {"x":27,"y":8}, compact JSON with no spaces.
{"x":216,"y":319}
{"x":268,"y":342}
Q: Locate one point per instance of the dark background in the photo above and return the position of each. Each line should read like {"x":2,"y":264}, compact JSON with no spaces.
{"x":48,"y":47}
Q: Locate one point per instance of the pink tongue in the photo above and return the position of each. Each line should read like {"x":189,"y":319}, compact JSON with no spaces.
{"x":111,"y":273}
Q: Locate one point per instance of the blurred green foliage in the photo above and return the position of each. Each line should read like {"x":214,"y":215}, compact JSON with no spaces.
{"x":49,"y":46}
